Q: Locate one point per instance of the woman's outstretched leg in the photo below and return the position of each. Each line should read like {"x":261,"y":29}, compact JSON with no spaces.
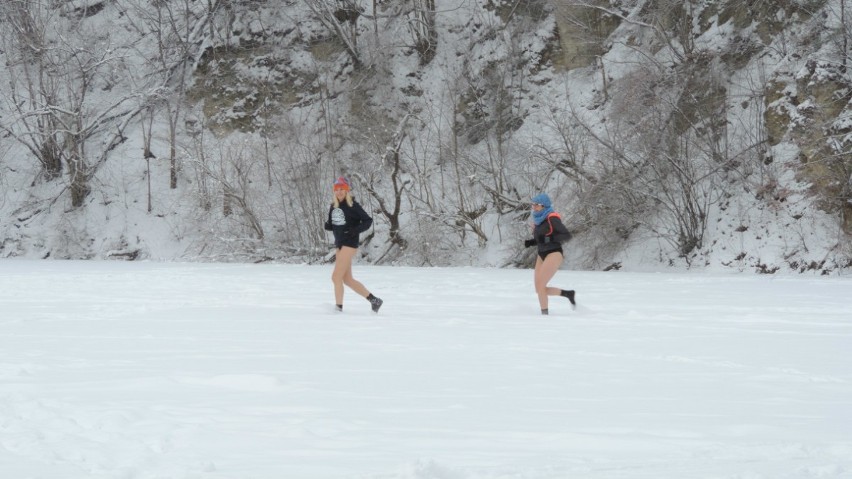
{"x":342,"y":268}
{"x":545,"y":270}
{"x":343,"y":276}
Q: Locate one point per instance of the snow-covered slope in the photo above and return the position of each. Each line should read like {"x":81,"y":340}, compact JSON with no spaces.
{"x":445,"y":149}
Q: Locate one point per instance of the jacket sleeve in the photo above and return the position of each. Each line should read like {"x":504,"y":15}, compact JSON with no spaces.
{"x":560,"y":233}
{"x":327,"y":225}
{"x":365,"y":220}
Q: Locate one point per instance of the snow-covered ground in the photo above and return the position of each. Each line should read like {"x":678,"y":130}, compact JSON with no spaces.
{"x":161,"y":370}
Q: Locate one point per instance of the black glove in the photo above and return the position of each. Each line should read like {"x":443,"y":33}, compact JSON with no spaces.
{"x":529,"y":242}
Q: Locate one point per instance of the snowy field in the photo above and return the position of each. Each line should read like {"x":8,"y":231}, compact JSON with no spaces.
{"x":113,"y":370}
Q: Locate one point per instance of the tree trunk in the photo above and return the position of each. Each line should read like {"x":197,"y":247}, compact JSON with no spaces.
{"x":79,"y":181}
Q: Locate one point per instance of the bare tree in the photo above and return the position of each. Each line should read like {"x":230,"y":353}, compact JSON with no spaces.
{"x":266,"y":208}
{"x":391,"y":208}
{"x":661,"y":156}
{"x":421,"y":25}
{"x":839,"y":155}
{"x":232,"y":171}
{"x":341,"y":18}
{"x":302,"y":175}
{"x":52,"y":73}
{"x":180,"y":28}
{"x":147,"y":155}
{"x":31,"y":84}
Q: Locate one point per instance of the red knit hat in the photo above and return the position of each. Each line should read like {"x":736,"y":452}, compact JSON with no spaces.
{"x":341,"y":183}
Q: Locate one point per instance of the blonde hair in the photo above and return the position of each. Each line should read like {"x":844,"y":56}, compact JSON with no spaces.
{"x":349,"y":200}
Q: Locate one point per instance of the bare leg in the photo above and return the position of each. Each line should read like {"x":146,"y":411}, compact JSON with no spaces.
{"x":342,"y":274}
{"x":354,"y":284}
{"x":544,"y":272}
{"x":342,"y":264}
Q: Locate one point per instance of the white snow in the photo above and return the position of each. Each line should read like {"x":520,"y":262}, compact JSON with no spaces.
{"x":164,"y":370}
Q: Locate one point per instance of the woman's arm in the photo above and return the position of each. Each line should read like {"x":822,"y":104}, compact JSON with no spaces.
{"x":327,"y":225}
{"x":559,"y":233}
{"x":365,"y":220}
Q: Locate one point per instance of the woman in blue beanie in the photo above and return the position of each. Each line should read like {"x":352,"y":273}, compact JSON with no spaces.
{"x":548,"y":235}
{"x":347,"y":220}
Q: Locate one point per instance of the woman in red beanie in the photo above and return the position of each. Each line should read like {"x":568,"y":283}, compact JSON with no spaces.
{"x":347,"y":220}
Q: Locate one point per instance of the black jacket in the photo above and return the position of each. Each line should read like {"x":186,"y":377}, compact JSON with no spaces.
{"x":347,"y":222}
{"x":549,"y":235}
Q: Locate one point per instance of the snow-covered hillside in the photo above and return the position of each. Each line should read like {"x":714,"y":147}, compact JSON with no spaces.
{"x":703,"y":135}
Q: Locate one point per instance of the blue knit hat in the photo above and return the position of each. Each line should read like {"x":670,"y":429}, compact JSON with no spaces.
{"x":542,"y":199}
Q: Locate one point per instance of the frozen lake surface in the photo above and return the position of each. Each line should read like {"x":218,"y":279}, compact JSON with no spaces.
{"x":112,"y":370}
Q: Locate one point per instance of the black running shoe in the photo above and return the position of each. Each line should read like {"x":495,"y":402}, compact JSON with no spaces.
{"x":376,"y":303}
{"x":570,"y":295}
